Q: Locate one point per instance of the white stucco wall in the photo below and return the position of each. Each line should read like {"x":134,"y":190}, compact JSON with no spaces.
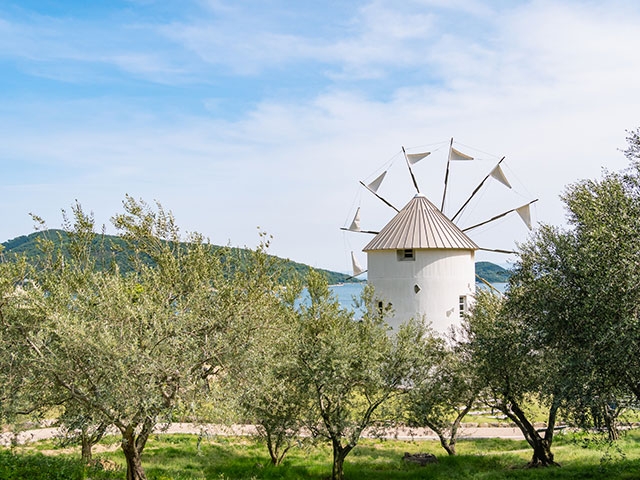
{"x":442,"y":275}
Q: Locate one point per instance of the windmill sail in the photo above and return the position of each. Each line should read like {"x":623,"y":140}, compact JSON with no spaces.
{"x":458,"y":155}
{"x":357,"y":269}
{"x":498,"y":174}
{"x":409,"y":163}
{"x":453,"y":156}
{"x":525,"y":214}
{"x":523,"y":211}
{"x":414,"y":158}
{"x":375,"y":185}
{"x":490,"y":285}
{"x":491,"y":174}
{"x":355,"y":224}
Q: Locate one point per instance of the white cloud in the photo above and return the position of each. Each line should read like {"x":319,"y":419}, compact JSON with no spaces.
{"x":377,"y":37}
{"x":77,"y":51}
{"x":551,"y":86}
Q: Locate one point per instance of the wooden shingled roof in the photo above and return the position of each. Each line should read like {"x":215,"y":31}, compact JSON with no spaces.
{"x":420,"y":224}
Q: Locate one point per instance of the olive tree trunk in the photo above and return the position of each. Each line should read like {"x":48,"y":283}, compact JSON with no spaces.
{"x":449,"y":436}
{"x":542,"y":454}
{"x":89,"y":439}
{"x":339,"y":454}
{"x":132,"y":447}
{"x":278,"y":446}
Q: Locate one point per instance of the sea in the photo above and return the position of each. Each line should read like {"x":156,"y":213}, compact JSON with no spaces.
{"x":346,"y":292}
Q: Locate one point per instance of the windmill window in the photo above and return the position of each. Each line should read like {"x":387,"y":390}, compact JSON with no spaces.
{"x":381,"y":307}
{"x":406,"y":254}
{"x":463,"y":305}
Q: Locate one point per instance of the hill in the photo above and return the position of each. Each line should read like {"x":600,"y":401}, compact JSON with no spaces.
{"x":118,"y":252}
{"x":28,"y":245}
{"x":492,"y":273}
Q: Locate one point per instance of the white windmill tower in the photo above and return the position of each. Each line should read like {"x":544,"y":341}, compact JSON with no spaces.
{"x":421,"y":262}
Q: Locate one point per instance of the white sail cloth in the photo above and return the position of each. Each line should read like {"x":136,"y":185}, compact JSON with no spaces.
{"x":373,"y":186}
{"x":458,"y":155}
{"x":357,"y":269}
{"x":498,"y":175}
{"x":414,"y":158}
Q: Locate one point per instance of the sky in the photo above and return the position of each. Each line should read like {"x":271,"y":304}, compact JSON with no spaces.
{"x":248,"y":116}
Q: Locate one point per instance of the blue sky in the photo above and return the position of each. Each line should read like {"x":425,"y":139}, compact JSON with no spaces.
{"x":244,"y":114}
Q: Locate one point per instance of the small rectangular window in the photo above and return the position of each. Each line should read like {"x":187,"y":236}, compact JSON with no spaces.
{"x":405,"y":254}
{"x":463,"y":305}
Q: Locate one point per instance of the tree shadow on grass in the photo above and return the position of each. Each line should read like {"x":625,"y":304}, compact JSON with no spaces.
{"x":36,"y":466}
{"x":228,"y":458}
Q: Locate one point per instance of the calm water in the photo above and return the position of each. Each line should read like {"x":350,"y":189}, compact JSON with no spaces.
{"x":502,"y":287}
{"x":345,"y":292}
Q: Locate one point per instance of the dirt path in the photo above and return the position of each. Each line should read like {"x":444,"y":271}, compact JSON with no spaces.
{"x":27,"y":436}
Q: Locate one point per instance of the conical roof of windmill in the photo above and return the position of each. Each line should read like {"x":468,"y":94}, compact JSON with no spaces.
{"x":420,"y":224}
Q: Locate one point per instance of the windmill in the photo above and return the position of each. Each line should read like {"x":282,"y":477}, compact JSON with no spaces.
{"x":422,"y":262}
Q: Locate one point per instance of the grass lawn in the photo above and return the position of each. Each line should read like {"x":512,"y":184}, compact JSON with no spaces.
{"x":180,"y":457}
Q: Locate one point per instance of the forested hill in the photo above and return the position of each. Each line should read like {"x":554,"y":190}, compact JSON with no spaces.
{"x":118,"y":251}
{"x":492,"y":273}
{"x":28,"y":245}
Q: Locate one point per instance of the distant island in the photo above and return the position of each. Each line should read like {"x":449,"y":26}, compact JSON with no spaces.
{"x":118,"y":250}
{"x":492,"y":273}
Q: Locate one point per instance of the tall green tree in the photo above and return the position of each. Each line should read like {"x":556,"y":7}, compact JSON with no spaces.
{"x":516,"y":368}
{"x":350,"y":367}
{"x":124,"y":347}
{"x":580,"y":288}
{"x":127,"y":349}
{"x":263,"y":377}
{"x":632,"y":152}
{"x":269,"y":395}
{"x":77,"y":425}
{"x":443,"y":393}
{"x":13,"y":372}
{"x":556,"y":293}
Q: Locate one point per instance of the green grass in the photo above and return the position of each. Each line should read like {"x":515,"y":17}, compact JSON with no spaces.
{"x":178,"y":457}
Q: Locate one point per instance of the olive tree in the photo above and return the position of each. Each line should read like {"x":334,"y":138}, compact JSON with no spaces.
{"x":604,"y":275}
{"x":515,"y":367}
{"x":444,"y":392}
{"x":632,"y":152}
{"x":570,"y":323}
{"x":263,"y":377}
{"x":350,"y":367}
{"x":580,"y":287}
{"x":14,"y":375}
{"x":554,"y":294}
{"x":270,"y":398}
{"x":77,"y":425}
{"x":127,"y":348}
